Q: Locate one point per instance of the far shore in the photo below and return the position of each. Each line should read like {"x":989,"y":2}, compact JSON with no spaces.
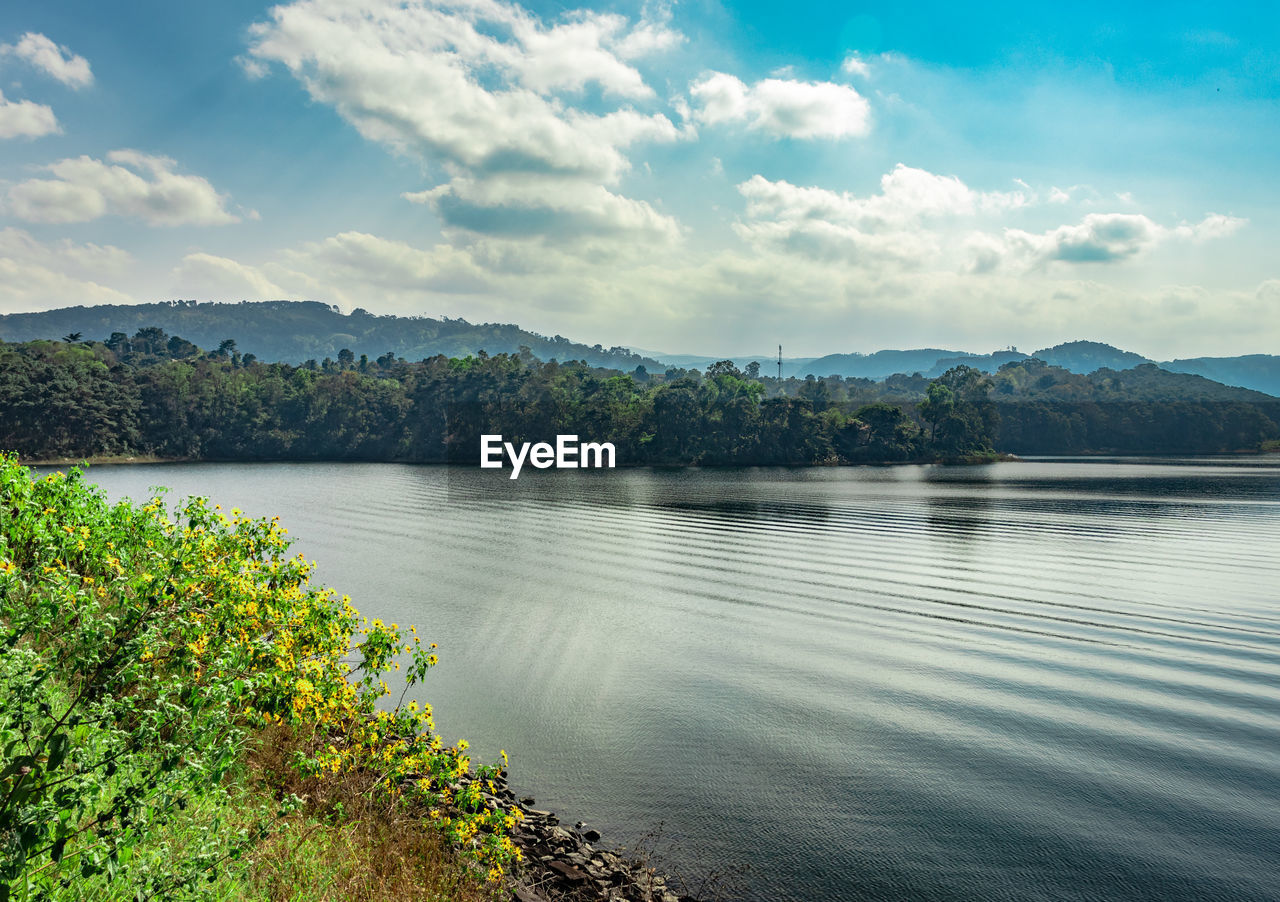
{"x":970,"y":460}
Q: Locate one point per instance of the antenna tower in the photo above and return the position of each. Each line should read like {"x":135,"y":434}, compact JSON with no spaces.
{"x":779,"y":363}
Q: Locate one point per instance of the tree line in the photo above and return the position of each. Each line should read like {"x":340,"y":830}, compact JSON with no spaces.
{"x":156,"y":394}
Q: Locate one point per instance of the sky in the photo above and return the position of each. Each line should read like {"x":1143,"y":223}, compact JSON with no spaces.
{"x":697,"y":177}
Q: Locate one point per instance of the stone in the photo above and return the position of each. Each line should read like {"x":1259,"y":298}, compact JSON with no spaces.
{"x":591,"y":836}
{"x":524,"y":894}
{"x":568,"y":872}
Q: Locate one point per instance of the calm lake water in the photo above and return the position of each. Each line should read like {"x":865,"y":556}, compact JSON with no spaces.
{"x":1046,"y":680}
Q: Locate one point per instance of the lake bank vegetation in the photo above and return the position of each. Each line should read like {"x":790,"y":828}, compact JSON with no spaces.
{"x":183,"y":715}
{"x":161,"y":396}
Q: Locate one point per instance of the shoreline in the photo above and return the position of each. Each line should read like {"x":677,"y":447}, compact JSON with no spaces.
{"x":969,"y":460}
{"x":572,"y":864}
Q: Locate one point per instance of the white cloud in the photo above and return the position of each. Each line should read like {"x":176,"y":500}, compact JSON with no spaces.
{"x":58,"y":62}
{"x":486,"y":91}
{"x":855,"y":65}
{"x":413,"y":76}
{"x":24,"y":119}
{"x":253,"y":69}
{"x":544,"y":208}
{"x":898,"y":224}
{"x":924,"y":221}
{"x":1109,"y":238}
{"x":357,"y":262}
{"x":39,"y":275}
{"x":1215,"y":225}
{"x":131,"y":184}
{"x":214,"y":278}
{"x":784,"y":108}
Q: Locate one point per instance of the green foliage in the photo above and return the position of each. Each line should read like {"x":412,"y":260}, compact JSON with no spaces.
{"x":962,"y":420}
{"x":140,"y":654}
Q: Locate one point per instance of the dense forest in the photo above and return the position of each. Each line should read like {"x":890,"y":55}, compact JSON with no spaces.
{"x":156,"y":394}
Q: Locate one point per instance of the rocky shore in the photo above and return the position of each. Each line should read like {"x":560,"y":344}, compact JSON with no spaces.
{"x":564,"y":864}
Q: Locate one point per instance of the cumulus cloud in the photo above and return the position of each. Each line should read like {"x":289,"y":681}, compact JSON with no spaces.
{"x":54,"y":60}
{"x":487,"y":91}
{"x":24,"y":119}
{"x":39,"y":275}
{"x":855,"y":65}
{"x":895,"y":224}
{"x":413,"y":76}
{"x":1105,"y":238}
{"x":783,"y":108}
{"x":130,"y":184}
{"x":545,"y":208}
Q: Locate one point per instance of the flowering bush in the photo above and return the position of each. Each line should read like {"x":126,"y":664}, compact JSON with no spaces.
{"x":141,"y":651}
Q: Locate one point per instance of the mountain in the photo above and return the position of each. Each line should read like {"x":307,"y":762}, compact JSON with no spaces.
{"x":294,"y":331}
{"x":1076,"y":356}
{"x":1257,"y":371}
{"x":988,"y":363}
{"x":1087,"y":356}
{"x":881,"y":364}
{"x":1032,"y":380}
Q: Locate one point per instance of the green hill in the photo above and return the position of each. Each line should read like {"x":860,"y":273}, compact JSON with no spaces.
{"x":295,"y":331}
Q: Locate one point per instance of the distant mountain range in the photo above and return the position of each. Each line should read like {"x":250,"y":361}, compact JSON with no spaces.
{"x":294,"y":331}
{"x":1260,"y":372}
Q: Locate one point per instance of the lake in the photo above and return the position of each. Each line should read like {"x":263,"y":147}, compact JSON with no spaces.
{"x":1041,"y":680}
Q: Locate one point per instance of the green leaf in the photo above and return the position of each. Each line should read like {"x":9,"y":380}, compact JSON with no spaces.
{"x":58,"y":747}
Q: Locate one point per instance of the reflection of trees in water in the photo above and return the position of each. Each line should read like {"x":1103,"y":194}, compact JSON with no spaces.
{"x":960,"y":506}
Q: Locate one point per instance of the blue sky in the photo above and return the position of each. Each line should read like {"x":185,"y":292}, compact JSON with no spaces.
{"x":694,"y":177}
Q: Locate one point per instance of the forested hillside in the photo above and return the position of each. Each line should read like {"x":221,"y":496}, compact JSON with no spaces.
{"x":155,"y":394}
{"x":295,"y":331}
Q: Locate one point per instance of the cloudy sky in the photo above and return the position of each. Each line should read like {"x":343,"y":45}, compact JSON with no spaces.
{"x":693,"y":177}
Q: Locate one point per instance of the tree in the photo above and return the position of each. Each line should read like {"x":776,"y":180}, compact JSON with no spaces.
{"x":72,"y":337}
{"x":961,"y":416}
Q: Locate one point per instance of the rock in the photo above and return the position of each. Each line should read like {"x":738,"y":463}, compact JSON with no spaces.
{"x":527,"y":800}
{"x":569,"y":872}
{"x":591,"y":836}
{"x":524,"y":894}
